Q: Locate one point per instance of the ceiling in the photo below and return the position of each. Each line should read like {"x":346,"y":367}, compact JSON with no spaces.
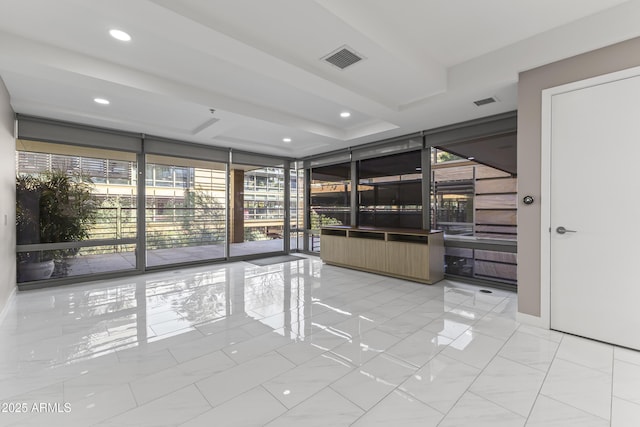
{"x":258,"y":64}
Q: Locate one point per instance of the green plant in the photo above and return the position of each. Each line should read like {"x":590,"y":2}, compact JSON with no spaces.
{"x":53,"y":207}
{"x":67,"y":208}
{"x":320,"y":220}
{"x":252,"y":234}
{"x":445,"y":156}
{"x":28,"y":191}
{"x":204,"y":217}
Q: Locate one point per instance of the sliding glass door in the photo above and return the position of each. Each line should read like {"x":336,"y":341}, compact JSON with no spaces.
{"x":296,"y":208}
{"x":76,"y":211}
{"x":185,"y":210}
{"x":330,"y":199}
{"x":257,"y":210}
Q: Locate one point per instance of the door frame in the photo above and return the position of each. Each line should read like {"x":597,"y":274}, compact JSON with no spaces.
{"x":545,"y":181}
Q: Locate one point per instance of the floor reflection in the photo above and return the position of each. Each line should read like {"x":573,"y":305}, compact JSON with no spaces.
{"x":290,"y":339}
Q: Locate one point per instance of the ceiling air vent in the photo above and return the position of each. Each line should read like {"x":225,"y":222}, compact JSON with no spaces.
{"x":343,"y":57}
{"x":481,"y":102}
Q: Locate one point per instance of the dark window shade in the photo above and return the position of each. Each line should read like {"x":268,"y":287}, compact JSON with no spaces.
{"x":390,"y":191}
{"x":330,"y":195}
{"x":166,"y":147}
{"x":243,"y":158}
{"x":39,"y":129}
{"x":388,"y":148}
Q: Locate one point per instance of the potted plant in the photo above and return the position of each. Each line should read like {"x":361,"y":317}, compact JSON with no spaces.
{"x":52,"y":207}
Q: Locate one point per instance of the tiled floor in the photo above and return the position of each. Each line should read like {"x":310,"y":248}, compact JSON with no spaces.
{"x":299,"y":344}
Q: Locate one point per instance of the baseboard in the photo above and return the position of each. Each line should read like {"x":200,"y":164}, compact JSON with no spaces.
{"x":536,"y":321}
{"x":7,"y":303}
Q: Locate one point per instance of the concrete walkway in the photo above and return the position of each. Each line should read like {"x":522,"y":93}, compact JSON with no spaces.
{"x":103,"y":263}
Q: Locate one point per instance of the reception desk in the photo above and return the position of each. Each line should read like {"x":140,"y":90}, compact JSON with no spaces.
{"x":416,"y":255}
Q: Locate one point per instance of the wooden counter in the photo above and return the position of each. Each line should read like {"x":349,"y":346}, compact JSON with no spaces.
{"x":416,"y":255}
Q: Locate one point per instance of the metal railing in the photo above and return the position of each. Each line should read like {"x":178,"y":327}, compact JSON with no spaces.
{"x":180,"y":227}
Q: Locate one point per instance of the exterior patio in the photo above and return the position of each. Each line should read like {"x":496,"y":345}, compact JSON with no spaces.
{"x":105,"y":263}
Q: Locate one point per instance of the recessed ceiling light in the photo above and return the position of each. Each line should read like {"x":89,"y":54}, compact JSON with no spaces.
{"x":471,"y":158}
{"x":101,"y":101}
{"x":286,"y":139}
{"x":418,"y":169}
{"x":345,"y":114}
{"x":120,"y":35}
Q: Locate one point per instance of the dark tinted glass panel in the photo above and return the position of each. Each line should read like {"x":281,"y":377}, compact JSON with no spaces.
{"x":390,"y":191}
{"x":64,"y":200}
{"x":330,"y":195}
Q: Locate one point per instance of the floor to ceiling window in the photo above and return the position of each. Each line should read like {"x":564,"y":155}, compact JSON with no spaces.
{"x":475,"y":205}
{"x":77,"y":202}
{"x":453,"y":186}
{"x":296,"y":207}
{"x":330,"y":199}
{"x":204,"y":203}
{"x":257,"y":209}
{"x":390,"y":191}
{"x":76,"y":211}
{"x":185,"y":210}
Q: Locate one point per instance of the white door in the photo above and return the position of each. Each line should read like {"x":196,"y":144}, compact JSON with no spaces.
{"x":595,"y":196}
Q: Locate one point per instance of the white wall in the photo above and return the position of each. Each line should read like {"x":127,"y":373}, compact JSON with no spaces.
{"x":7,"y":198}
{"x":530,"y":86}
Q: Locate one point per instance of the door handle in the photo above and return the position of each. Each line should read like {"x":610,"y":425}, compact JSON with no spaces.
{"x":562,"y":230}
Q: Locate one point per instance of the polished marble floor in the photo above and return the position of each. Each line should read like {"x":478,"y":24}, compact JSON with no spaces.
{"x":298,"y":344}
